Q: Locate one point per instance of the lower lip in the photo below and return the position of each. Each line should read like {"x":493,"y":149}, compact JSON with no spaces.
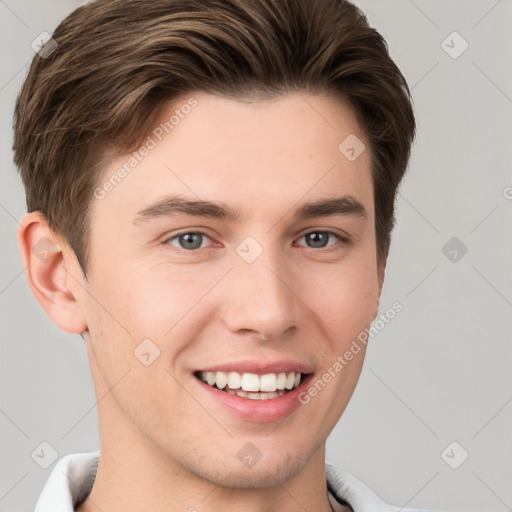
{"x":259,"y":411}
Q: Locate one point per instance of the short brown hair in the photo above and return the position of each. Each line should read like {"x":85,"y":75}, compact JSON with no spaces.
{"x":119,"y":61}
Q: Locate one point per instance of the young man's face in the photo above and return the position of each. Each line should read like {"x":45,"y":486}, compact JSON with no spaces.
{"x":269,"y":291}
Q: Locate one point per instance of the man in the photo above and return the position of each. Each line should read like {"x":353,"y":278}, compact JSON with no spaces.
{"x":213,"y":184}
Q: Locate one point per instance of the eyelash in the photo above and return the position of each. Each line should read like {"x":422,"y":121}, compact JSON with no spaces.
{"x":340,"y":238}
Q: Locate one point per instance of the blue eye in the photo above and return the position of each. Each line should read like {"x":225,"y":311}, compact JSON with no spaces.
{"x":194,"y":240}
{"x":189,"y":241}
{"x":320,"y":239}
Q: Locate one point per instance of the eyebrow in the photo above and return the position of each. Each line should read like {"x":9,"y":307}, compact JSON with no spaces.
{"x":175,"y":204}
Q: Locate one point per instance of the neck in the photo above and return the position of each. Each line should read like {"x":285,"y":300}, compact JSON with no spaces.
{"x":133,"y":475}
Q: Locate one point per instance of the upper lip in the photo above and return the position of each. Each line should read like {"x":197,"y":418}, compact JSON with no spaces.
{"x":260,"y":367}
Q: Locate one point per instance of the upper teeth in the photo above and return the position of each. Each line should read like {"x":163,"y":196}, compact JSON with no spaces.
{"x":251,"y":381}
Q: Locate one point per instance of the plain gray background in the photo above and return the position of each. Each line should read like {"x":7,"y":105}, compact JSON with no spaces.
{"x":438,"y":373}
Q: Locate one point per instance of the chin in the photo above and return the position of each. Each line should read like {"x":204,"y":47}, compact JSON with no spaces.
{"x":265,"y":472}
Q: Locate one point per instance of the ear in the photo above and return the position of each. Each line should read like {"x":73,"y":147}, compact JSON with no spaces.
{"x":381,"y":271}
{"x":47,"y":259}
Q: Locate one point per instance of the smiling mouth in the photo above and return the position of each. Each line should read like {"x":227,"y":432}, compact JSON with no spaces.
{"x":252,"y":385}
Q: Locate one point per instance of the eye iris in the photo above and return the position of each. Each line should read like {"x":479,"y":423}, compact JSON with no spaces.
{"x":317,"y":239}
{"x":191,"y":240}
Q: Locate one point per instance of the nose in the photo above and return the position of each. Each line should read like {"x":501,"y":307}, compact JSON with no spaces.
{"x":260,"y":299}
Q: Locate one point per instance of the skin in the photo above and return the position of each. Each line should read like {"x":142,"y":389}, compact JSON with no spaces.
{"x":165,"y":444}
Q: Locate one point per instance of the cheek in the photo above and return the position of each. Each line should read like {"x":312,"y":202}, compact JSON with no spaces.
{"x":146,"y":303}
{"x":344,"y":298}
{"x":165,"y":300}
{"x":151,"y":305}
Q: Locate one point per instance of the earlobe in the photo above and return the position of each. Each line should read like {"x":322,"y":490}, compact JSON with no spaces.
{"x":47,"y":271}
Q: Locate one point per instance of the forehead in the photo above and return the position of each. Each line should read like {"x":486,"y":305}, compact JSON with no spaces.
{"x":268,"y":152}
